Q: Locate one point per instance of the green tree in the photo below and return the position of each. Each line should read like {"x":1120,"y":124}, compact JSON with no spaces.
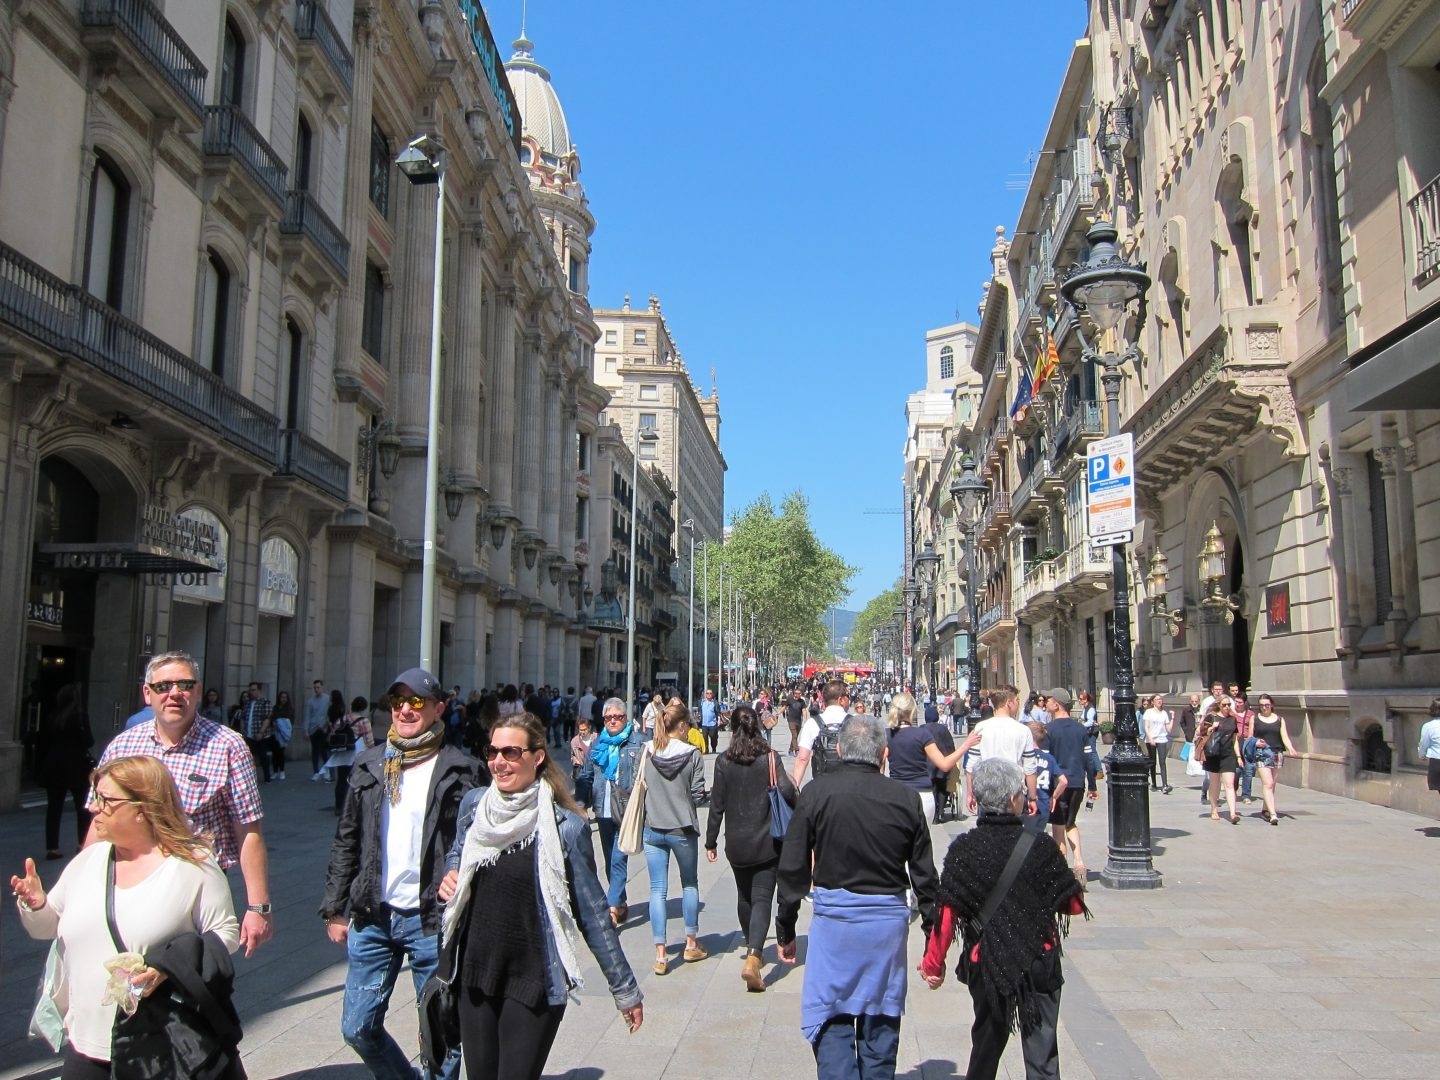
{"x":786,"y":577}
{"x":876,"y":614}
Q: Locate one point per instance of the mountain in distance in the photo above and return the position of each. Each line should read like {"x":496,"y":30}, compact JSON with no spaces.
{"x":844,"y":623}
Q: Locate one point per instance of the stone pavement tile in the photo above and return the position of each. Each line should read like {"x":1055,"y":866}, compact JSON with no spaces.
{"x":1246,"y":1003}
{"x":1397,"y":997}
{"x":1421,"y":1021}
{"x":1383,"y":1066}
{"x":1346,"y":1019}
{"x":1147,"y":1019}
{"x":706,"y":1056}
{"x":1253,"y":956}
{"x":1171,"y":1001}
{"x":1402,"y":989}
{"x":1212,"y":1065}
{"x":1265,"y":1020}
{"x":1264,"y":981}
{"x":1317,"y":1037}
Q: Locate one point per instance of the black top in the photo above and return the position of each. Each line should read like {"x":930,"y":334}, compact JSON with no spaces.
{"x":1188,"y":721}
{"x":908,"y":762}
{"x":1066,"y":739}
{"x":867,"y":834}
{"x":1270,"y":732}
{"x":504,"y":953}
{"x":739,"y":799}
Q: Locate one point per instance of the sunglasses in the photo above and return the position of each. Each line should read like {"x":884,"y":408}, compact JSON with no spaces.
{"x":614,"y":716}
{"x":104,"y":803}
{"x":415,"y":701}
{"x":511,"y":754}
{"x":164,"y":686}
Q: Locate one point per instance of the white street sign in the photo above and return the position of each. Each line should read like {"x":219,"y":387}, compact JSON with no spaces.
{"x":1112,"y":539}
{"x":1110,"y":486}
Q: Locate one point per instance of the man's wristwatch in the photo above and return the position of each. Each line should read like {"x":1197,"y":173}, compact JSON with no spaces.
{"x":259,"y":909}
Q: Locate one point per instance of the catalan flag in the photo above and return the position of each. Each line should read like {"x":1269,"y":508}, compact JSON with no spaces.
{"x":1049,"y":358}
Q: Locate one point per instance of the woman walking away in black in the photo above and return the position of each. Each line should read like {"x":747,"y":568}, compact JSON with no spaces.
{"x":739,"y":798}
{"x":63,"y":756}
{"x":1011,"y":963}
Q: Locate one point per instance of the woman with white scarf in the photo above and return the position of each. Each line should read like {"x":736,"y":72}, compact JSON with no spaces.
{"x":522,"y":851}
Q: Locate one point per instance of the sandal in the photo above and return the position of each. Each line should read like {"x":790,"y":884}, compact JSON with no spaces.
{"x":1234,"y":819}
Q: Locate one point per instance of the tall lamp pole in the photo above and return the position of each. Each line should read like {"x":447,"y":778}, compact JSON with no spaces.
{"x":642,"y":435}
{"x":927,"y":567}
{"x":689,"y":526}
{"x":705,"y":615}
{"x":423,"y":163}
{"x":967,"y":489}
{"x":1104,"y":288}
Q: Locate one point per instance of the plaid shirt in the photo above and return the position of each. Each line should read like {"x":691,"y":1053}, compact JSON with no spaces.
{"x":214,"y":771}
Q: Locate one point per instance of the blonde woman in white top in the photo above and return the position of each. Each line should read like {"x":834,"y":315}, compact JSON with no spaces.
{"x":166,"y":884}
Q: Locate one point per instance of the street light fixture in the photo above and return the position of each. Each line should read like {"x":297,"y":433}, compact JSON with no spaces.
{"x":423,"y":163}
{"x":967,"y":490}
{"x":642,"y":435}
{"x":454,"y":496}
{"x":1104,"y":288}
{"x":1158,"y":576}
{"x":1213,"y":598}
{"x":689,"y":526}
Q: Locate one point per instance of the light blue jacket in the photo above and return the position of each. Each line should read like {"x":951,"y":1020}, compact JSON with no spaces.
{"x":589,"y":904}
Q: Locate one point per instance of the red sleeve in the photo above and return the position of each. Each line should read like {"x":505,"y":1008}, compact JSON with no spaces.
{"x":938,"y":947}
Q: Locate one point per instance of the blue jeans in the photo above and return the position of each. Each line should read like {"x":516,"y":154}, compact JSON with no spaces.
{"x":659,"y":843}
{"x":376,"y":953}
{"x":1245,"y":778}
{"x":857,"y":1048}
{"x":617,"y":863}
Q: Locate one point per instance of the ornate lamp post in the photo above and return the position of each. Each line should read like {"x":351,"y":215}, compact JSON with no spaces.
{"x":927,"y":567}
{"x":642,"y":435}
{"x":967,"y":490}
{"x":689,"y":526}
{"x":1104,"y":288}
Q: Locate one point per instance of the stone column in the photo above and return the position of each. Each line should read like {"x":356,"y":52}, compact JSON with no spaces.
{"x":500,"y":405}
{"x":465,"y":362}
{"x":527,"y":446}
{"x":570,"y":662}
{"x":351,"y":307}
{"x":552,"y":453}
{"x":532,"y":648}
{"x":1350,"y":625}
{"x":1398,"y":615}
{"x":554,"y":643}
{"x":504,"y":666}
{"x":469,"y":641}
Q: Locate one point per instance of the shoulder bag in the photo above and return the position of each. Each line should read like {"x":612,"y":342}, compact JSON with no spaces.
{"x":631,"y":838}
{"x":439,"y":1003}
{"x":977,"y":924}
{"x":780,"y":811}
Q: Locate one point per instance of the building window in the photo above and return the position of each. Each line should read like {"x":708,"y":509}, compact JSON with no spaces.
{"x":372,"y":328}
{"x":582,"y":451}
{"x":379,"y":170}
{"x":232,"y":66}
{"x":947,"y":363}
{"x":639,"y":337}
{"x":649,"y":392}
{"x":610,"y":337}
{"x":288,"y":384}
{"x":214,"y":314}
{"x":582,"y":519}
{"x":304,"y":152}
{"x":647,"y":421}
{"x":1379,"y":538}
{"x":612,"y":365}
{"x":105,"y":233}
{"x":575,"y":267}
{"x":649,"y":451}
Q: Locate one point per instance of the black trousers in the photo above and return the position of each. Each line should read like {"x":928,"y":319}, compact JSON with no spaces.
{"x":55,"y":807}
{"x":260,"y":751}
{"x":79,"y":1067}
{"x":1158,"y":753}
{"x":755,"y":903}
{"x":712,"y":738}
{"x":990,"y":1033}
{"x":342,"y":785}
{"x":503,"y":1039}
{"x":319,"y":750}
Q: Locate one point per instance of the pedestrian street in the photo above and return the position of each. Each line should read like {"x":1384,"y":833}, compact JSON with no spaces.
{"x":1303,"y":950}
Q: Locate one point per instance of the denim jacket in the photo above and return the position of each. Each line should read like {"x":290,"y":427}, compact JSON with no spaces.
{"x":624,"y":777}
{"x":587,"y":900}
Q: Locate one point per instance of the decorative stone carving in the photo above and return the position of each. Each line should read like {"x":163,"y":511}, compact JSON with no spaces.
{"x":1262,"y":342}
{"x":1386,"y":457}
{"x":1341,"y":478}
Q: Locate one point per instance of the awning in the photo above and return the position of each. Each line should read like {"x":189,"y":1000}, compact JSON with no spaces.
{"x":1400,"y":370}
{"x":119,"y":559}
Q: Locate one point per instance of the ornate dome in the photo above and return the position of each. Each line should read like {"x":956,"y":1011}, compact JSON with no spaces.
{"x":541,"y":117}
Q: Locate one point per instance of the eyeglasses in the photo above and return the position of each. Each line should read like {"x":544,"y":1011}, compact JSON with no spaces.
{"x":104,"y":803}
{"x":511,"y":754}
{"x":415,"y":701}
{"x":614,"y":716}
{"x":164,"y":686}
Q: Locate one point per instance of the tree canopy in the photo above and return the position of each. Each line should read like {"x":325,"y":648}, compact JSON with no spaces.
{"x":787,"y":578}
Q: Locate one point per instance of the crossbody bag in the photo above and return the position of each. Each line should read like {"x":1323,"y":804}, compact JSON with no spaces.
{"x":993,"y":901}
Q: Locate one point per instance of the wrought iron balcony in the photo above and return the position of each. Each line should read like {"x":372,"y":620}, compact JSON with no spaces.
{"x":231,"y":137}
{"x":1083,"y":421}
{"x":304,"y":218}
{"x":72,"y":322}
{"x":997,"y":512}
{"x":304,"y":458}
{"x":1036,"y":482}
{"x":314,"y":28}
{"x":1425,"y":227}
{"x":149,"y":55}
{"x":995,"y":617}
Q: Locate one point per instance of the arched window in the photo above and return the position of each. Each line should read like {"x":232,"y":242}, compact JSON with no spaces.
{"x":106,"y":229}
{"x":1320,"y":128}
{"x":304,"y":152}
{"x":232,"y":66}
{"x":947,"y":363}
{"x":214,"y":314}
{"x":379,"y":169}
{"x":288,"y":382}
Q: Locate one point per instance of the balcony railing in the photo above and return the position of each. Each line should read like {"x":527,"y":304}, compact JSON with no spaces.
{"x":1038,"y":583}
{"x":1028,"y":487}
{"x":303,"y":457}
{"x":304,"y":216}
{"x":229,"y":133}
{"x":1081,"y":418}
{"x":1082,"y":563}
{"x":1347,"y":7}
{"x":998,"y":507}
{"x":994,"y":615}
{"x":1425,"y":223}
{"x":147,"y":29}
{"x":313,"y":23}
{"x":71,"y":321}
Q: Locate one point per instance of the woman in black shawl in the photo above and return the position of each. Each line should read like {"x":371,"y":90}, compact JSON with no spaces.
{"x":1013,"y":965}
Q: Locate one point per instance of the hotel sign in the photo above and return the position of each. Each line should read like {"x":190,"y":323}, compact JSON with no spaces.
{"x":494,"y":68}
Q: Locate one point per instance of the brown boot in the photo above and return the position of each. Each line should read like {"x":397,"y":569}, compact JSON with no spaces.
{"x":750,"y":974}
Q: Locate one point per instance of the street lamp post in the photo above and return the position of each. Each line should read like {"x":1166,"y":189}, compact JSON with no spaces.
{"x":927,"y":567}
{"x":423,"y":162}
{"x":705,"y":616}
{"x":642,"y":435}
{"x":689,"y":526}
{"x":1104,"y":288}
{"x":967,"y":489}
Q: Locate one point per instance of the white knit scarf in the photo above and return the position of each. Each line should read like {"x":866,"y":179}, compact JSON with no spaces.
{"x":502,"y":821}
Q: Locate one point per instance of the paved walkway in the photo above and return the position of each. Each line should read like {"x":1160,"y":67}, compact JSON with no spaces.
{"x":1307,"y":950}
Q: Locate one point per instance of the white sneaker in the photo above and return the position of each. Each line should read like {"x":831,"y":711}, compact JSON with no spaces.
{"x":317,"y":777}
{"x":279,"y":776}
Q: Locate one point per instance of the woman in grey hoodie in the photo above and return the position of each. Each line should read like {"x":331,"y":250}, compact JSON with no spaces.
{"x":675,"y":784}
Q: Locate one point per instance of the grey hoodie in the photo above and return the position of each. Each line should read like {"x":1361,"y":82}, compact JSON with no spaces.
{"x":675,"y":784}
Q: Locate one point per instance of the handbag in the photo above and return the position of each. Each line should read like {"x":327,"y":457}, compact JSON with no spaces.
{"x":1185,"y":751}
{"x":992,"y":902}
{"x":438,"y":1003}
{"x":631,"y":838}
{"x":780,"y":812}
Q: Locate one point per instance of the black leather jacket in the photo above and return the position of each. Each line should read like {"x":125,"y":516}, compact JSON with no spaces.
{"x":352,"y":881}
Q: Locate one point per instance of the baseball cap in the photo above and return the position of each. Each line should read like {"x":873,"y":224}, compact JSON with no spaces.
{"x":420,"y":681}
{"x":1060,"y":696}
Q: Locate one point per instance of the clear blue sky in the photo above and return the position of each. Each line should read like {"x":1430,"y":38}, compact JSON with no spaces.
{"x":807,"y":186}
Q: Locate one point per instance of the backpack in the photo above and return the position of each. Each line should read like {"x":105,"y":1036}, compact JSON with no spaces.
{"x":825,"y":752}
{"x":343,"y":737}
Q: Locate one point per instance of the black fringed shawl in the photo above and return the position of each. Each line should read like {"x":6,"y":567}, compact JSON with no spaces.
{"x":1025,"y":920}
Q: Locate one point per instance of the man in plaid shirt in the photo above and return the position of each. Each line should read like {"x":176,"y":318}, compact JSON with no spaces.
{"x":215,"y":773}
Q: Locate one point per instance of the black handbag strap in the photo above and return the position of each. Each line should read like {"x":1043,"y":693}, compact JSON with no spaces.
{"x":110,"y":902}
{"x":1007,"y":878}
